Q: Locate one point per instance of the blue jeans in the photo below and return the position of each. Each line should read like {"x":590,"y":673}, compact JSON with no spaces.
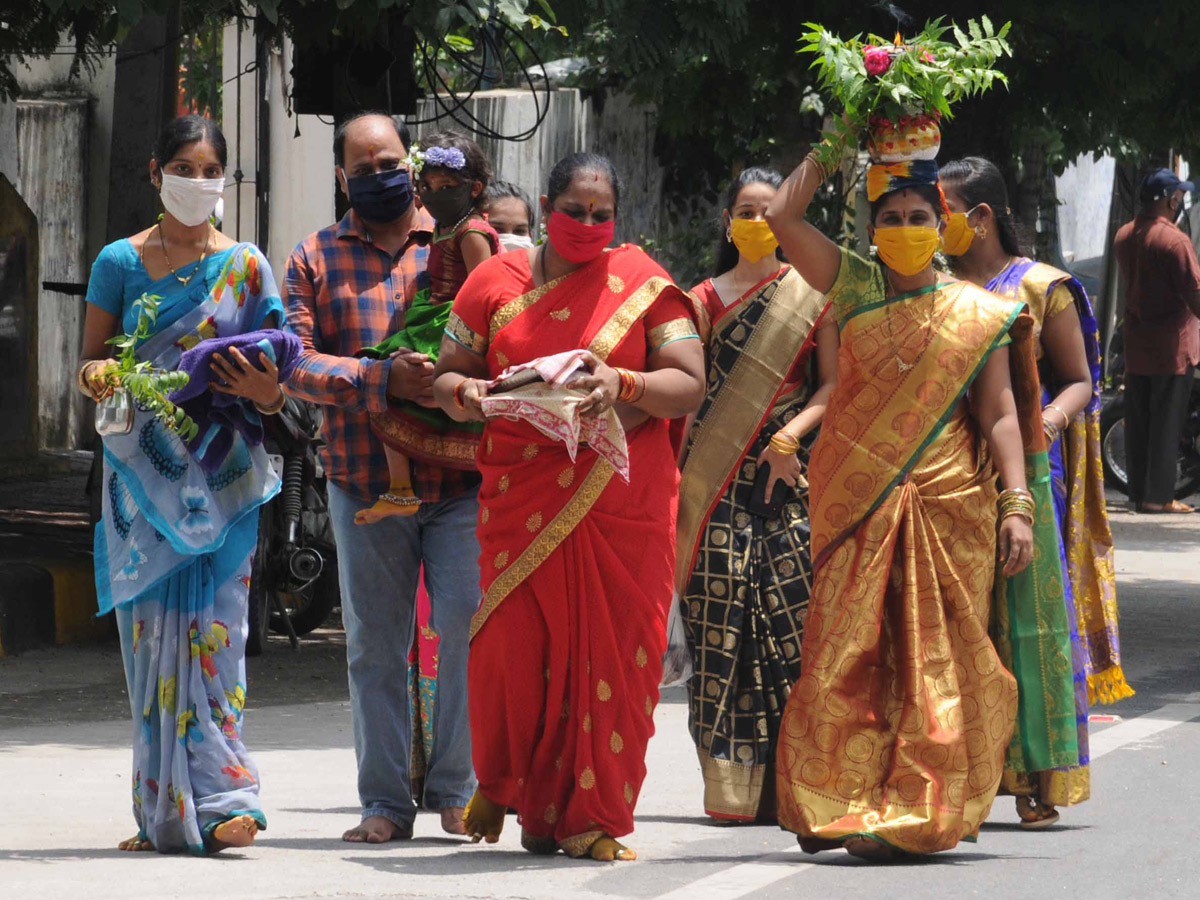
{"x":378,"y":568}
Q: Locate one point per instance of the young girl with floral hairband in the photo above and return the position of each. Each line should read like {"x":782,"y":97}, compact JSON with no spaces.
{"x":453,"y":179}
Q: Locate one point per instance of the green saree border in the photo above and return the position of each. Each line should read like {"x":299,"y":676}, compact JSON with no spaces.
{"x":936,"y":430}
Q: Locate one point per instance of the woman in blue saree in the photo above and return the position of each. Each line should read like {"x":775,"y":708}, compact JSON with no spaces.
{"x":174,"y":544}
{"x":1069,"y":364}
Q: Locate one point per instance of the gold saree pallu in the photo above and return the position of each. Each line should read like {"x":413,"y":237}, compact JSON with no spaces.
{"x":744,"y":582}
{"x":898,"y":725}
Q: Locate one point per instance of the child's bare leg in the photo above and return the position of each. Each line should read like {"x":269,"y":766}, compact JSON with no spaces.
{"x":400,"y":500}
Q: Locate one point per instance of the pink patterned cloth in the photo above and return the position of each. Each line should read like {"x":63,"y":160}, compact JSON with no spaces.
{"x":552,"y":407}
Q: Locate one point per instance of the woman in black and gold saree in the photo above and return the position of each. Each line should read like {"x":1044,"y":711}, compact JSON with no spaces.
{"x":742,"y":562}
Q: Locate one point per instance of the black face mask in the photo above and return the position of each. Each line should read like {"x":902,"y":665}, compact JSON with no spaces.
{"x":449,"y":205}
{"x":381,"y":196}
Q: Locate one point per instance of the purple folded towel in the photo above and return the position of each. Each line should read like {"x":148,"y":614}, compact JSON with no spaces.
{"x":220,"y":415}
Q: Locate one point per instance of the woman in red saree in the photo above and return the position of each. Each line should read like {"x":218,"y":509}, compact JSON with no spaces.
{"x":576,"y":563}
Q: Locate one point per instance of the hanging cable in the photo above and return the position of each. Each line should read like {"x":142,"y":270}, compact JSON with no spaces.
{"x":493,"y":39}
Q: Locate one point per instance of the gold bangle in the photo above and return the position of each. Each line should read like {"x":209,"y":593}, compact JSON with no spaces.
{"x":784,"y":443}
{"x":275,"y":406}
{"x":822,"y":171}
{"x":1025,"y":515}
{"x":1058,"y":409}
{"x":81,"y":380}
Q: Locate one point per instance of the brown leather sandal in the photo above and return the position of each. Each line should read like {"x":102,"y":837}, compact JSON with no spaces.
{"x":1172,"y":508}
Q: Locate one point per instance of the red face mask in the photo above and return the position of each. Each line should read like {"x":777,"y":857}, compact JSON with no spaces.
{"x":576,"y":242}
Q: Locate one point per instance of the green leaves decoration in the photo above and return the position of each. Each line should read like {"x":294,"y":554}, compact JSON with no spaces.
{"x":147,"y":385}
{"x":927,"y":74}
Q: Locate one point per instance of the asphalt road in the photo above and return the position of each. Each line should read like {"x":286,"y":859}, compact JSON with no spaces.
{"x":64,"y":792}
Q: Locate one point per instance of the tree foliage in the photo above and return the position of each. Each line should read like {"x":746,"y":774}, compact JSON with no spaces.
{"x":1086,"y":75}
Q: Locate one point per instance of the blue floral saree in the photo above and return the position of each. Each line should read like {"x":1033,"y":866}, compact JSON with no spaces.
{"x":173,"y":552}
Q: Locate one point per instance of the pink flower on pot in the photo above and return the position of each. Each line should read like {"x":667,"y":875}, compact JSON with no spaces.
{"x":877,"y":59}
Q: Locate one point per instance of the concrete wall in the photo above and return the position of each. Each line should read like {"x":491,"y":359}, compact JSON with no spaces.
{"x":53,"y":154}
{"x":55,"y":148}
{"x":618,"y":128}
{"x":49,"y":77}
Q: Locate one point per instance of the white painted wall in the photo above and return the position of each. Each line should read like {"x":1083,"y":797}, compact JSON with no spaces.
{"x":302,"y":181}
{"x":1085,"y":196}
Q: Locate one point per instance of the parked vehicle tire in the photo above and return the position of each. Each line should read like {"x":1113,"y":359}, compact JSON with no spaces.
{"x":1112,"y":443}
{"x":260,"y":596}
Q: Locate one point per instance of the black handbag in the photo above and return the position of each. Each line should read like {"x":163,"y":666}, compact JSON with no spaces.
{"x":760,"y":504}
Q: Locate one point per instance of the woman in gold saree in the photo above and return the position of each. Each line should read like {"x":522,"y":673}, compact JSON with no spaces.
{"x":1067,"y":347}
{"x":576,"y":560}
{"x":742,"y":565}
{"x":893,"y":739}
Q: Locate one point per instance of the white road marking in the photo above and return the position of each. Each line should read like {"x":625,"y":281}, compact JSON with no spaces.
{"x":741,"y":880}
{"x":1142,"y":727}
{"x":746,"y":878}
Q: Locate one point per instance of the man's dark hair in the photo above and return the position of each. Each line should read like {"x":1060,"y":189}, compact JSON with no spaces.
{"x":339,"y":133}
{"x":187,"y":130}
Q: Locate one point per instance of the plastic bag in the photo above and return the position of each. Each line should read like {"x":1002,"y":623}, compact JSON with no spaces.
{"x":677,"y":661}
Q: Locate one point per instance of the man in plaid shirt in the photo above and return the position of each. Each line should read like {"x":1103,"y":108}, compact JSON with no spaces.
{"x":345,"y":289}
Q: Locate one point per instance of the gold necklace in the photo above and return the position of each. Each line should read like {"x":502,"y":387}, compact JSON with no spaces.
{"x":905,"y":367}
{"x":1004,"y":268}
{"x":162,"y":243}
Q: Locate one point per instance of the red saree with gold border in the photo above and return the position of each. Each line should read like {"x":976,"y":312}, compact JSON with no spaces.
{"x":576,"y":564}
{"x":898,"y":725}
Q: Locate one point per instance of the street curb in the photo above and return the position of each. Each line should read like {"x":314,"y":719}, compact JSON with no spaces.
{"x":45,"y":602}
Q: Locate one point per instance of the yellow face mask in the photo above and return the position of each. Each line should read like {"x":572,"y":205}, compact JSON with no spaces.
{"x":907,"y":249}
{"x":958,"y":234}
{"x":753,"y":238}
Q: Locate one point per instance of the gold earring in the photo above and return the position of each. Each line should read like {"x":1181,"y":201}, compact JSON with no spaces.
{"x":981,"y":231}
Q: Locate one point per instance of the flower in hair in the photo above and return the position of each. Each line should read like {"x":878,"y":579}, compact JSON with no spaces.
{"x":415,"y":159}
{"x":445,"y":157}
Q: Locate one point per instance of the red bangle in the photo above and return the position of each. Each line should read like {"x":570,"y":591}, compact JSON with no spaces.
{"x":457,"y":394}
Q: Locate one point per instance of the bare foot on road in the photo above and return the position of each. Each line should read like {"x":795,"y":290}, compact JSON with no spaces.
{"x":377,"y":830}
{"x":452,"y":820}
{"x":607,"y":849}
{"x":237,"y":832}
{"x":134,"y":845}
{"x":483,"y":820}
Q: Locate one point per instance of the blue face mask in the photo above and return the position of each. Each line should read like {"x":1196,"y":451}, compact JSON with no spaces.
{"x":381,"y":196}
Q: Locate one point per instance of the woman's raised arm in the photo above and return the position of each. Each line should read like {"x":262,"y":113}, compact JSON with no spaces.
{"x":813,"y":255}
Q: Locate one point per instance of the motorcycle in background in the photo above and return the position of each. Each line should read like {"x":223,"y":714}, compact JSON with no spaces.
{"x":293,"y":580}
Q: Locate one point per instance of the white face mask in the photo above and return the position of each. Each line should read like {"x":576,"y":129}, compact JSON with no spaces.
{"x":516,"y":242}
{"x":191,"y":200}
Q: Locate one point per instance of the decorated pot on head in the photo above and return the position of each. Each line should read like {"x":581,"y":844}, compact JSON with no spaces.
{"x":907,"y":138}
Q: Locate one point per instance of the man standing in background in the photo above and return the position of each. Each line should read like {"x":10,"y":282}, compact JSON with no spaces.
{"x":1162,"y":339}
